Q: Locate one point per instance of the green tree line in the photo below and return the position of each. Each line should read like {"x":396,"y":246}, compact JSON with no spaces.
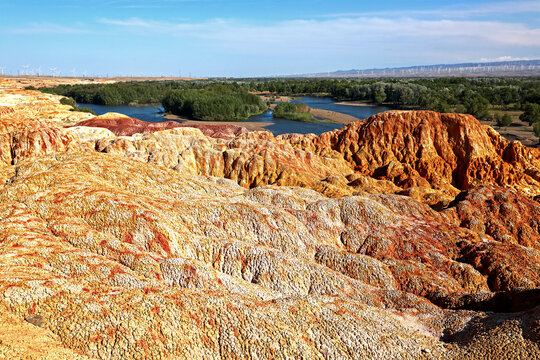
{"x":124,"y":93}
{"x":473,"y":96}
{"x":207,"y":99}
{"x":217,"y":103}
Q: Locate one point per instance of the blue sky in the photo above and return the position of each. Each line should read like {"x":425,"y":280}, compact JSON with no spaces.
{"x":259,"y":38}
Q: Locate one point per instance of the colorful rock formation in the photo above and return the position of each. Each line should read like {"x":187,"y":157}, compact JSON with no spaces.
{"x":506,"y":215}
{"x":425,"y":155}
{"x":173,"y":244}
{"x":424,"y":149}
{"x":122,"y":125}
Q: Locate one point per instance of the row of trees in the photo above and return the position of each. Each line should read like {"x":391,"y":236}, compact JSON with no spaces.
{"x":125,"y":93}
{"x":218,"y":103}
{"x":473,"y":96}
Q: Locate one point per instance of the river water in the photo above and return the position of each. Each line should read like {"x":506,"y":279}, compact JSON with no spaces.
{"x":148,"y":113}
{"x":152,"y":113}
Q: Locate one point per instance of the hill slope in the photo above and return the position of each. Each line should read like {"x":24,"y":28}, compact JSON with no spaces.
{"x":139,"y":247}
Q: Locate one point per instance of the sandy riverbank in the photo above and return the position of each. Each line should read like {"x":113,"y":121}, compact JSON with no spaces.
{"x":250,"y":125}
{"x":271,"y":97}
{"x":334,"y":116}
{"x":354,"y":103}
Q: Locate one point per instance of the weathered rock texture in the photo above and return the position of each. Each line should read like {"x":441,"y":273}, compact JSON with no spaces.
{"x":26,"y":138}
{"x":422,"y":154}
{"x":125,"y":248}
{"x":30,"y":104}
{"x":505,"y":215}
{"x":424,"y":149}
{"x":251,"y":159}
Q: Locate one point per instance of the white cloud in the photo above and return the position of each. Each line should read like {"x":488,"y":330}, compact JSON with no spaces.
{"x":455,"y":11}
{"x":503,"y":58}
{"x":346,"y":32}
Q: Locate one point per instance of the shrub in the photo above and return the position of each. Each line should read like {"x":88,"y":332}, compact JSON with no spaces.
{"x":531,"y":113}
{"x":293,"y":111}
{"x":536,"y":129}
{"x":218,"y":103}
{"x":477,"y":106}
{"x":505,"y":120}
{"x":86,"y":110}
{"x":68,"y":101}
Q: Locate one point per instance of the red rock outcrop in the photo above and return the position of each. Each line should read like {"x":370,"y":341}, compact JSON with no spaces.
{"x":422,"y":154}
{"x":122,"y":125}
{"x":506,"y":215}
{"x":506,"y":266}
{"x":426,"y":149}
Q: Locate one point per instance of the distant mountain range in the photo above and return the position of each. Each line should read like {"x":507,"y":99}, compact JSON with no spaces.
{"x":499,"y":68}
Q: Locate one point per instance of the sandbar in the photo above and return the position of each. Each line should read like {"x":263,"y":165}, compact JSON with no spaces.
{"x":355,"y":103}
{"x":334,"y":116}
{"x":250,"y":125}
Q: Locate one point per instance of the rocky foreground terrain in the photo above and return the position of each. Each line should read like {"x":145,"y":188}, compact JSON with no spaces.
{"x":408,"y":235}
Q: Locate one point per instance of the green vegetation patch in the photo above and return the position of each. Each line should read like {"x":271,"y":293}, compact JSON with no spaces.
{"x":84,"y":109}
{"x":531,"y":113}
{"x":71,"y":102}
{"x":503,"y":120}
{"x":293,"y":111}
{"x":215,"y":103}
{"x":124,"y":93}
{"x":536,"y":129}
{"x":68,"y":101}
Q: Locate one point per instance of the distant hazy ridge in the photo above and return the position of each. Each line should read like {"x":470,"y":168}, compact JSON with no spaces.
{"x":507,"y":68}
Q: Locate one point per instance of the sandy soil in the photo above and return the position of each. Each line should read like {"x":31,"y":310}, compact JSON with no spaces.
{"x":519,"y":130}
{"x":251,"y":126}
{"x":334,"y":116}
{"x":354,"y":103}
{"x":271,"y":97}
{"x":49,"y":81}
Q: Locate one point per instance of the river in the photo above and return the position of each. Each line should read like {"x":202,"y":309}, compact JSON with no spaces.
{"x":152,"y":113}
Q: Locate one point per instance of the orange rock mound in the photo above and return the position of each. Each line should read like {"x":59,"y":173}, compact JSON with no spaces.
{"x":423,"y":154}
{"x":425,"y":149}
